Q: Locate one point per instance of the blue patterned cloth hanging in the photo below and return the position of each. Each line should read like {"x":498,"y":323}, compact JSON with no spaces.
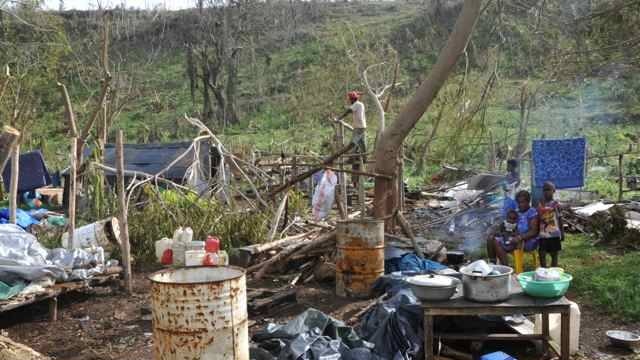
{"x":559,"y":161}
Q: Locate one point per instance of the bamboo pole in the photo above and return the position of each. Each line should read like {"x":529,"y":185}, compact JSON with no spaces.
{"x":124,"y":226}
{"x":13,"y":188}
{"x":73,"y":173}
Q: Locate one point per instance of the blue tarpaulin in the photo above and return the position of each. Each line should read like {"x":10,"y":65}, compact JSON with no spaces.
{"x":33,"y":172}
{"x":411,"y":262}
{"x":23,"y":219}
{"x":559,"y":161}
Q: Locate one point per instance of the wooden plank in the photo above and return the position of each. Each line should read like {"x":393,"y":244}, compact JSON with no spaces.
{"x":55,"y":291}
{"x":498,"y":310}
{"x":124,"y":226}
{"x":489,"y":337}
{"x":428,"y":337}
{"x":262,"y":305}
{"x":565,"y":335}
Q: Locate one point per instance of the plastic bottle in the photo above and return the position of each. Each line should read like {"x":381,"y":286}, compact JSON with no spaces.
{"x":212,"y":245}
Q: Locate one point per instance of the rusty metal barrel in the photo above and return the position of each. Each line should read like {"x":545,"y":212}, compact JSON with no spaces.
{"x":200,"y":313}
{"x":360,"y":256}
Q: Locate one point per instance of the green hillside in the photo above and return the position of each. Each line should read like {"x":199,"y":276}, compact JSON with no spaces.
{"x":292,"y":63}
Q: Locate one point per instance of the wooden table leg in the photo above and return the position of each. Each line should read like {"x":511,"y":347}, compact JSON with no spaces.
{"x":428,"y":337}
{"x":565,"y":335}
{"x":53,"y":309}
{"x":545,"y":333}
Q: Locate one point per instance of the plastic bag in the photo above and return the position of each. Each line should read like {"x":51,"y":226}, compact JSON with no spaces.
{"x":544,"y":274}
{"x":324,"y":195}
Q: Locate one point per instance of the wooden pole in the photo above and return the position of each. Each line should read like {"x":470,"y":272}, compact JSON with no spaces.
{"x":620,"y":177}
{"x":361,"y":198}
{"x":124,"y":226}
{"x":401,"y":179}
{"x":13,"y":187}
{"x":294,"y":169}
{"x":8,"y":139}
{"x":343,"y":179}
{"x":73,"y":173}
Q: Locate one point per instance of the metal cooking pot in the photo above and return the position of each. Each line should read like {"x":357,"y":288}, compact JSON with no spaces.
{"x":433,"y":287}
{"x":455,"y":257}
{"x":489,"y":288}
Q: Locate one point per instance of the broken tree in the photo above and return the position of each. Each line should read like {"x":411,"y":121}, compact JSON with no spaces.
{"x":386,"y":153}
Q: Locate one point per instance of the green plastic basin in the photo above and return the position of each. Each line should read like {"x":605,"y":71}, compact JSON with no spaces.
{"x":544,"y":289}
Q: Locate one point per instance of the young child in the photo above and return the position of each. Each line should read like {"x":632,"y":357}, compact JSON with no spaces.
{"x":551,"y":232}
{"x":508,"y":231}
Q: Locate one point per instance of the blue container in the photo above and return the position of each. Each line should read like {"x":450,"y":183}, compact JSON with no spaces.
{"x":497,"y":356}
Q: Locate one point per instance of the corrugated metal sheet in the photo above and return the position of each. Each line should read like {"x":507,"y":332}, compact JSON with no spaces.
{"x":360,"y":256}
{"x":200,"y":314}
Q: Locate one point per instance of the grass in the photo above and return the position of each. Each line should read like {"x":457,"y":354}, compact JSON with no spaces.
{"x":600,"y":278}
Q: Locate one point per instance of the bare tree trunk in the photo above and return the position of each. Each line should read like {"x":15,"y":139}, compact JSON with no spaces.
{"x":527,"y":101}
{"x":386,"y":153}
{"x":230,"y":91}
{"x":122,"y":218}
{"x":207,"y":111}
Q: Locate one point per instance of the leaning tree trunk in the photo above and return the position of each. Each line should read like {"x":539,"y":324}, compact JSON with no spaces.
{"x":386,"y":153}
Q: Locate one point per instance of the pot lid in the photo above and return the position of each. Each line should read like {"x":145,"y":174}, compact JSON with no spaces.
{"x":431,"y":280}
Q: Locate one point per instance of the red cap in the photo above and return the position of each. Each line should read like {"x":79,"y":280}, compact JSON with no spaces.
{"x":353,"y":95}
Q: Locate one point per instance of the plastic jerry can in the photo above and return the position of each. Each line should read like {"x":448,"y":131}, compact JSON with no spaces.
{"x":499,"y":355}
{"x":167,"y":257}
{"x":194,"y":257}
{"x":162,"y":245}
{"x":555,"y":326}
{"x":212,"y":245}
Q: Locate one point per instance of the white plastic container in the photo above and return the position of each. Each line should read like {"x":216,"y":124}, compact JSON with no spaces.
{"x":187,"y":235}
{"x":194,"y":257}
{"x":177,"y":234}
{"x":162,"y":245}
{"x":223,"y":258}
{"x":554,"y":327}
{"x":195,"y":245}
{"x":179,"y":249}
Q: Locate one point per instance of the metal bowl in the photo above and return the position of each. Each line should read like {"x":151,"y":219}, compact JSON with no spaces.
{"x":434,"y":293}
{"x":624,"y":338}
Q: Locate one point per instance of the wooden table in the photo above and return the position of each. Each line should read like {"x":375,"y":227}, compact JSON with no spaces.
{"x":518,"y":303}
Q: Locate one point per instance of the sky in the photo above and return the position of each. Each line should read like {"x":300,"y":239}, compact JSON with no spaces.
{"x":140,"y":4}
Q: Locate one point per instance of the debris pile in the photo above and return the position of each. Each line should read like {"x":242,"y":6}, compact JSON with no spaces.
{"x":612,"y":224}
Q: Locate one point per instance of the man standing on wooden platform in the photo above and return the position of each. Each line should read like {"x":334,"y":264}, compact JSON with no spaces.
{"x":356,"y":108}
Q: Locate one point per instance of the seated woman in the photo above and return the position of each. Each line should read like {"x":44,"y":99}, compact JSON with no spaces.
{"x":527,"y":230}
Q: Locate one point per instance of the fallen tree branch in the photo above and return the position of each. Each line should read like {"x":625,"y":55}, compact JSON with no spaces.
{"x":276,"y":218}
{"x":263,"y":267}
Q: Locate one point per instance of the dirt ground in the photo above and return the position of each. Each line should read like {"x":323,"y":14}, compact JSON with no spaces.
{"x":110,"y":325}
